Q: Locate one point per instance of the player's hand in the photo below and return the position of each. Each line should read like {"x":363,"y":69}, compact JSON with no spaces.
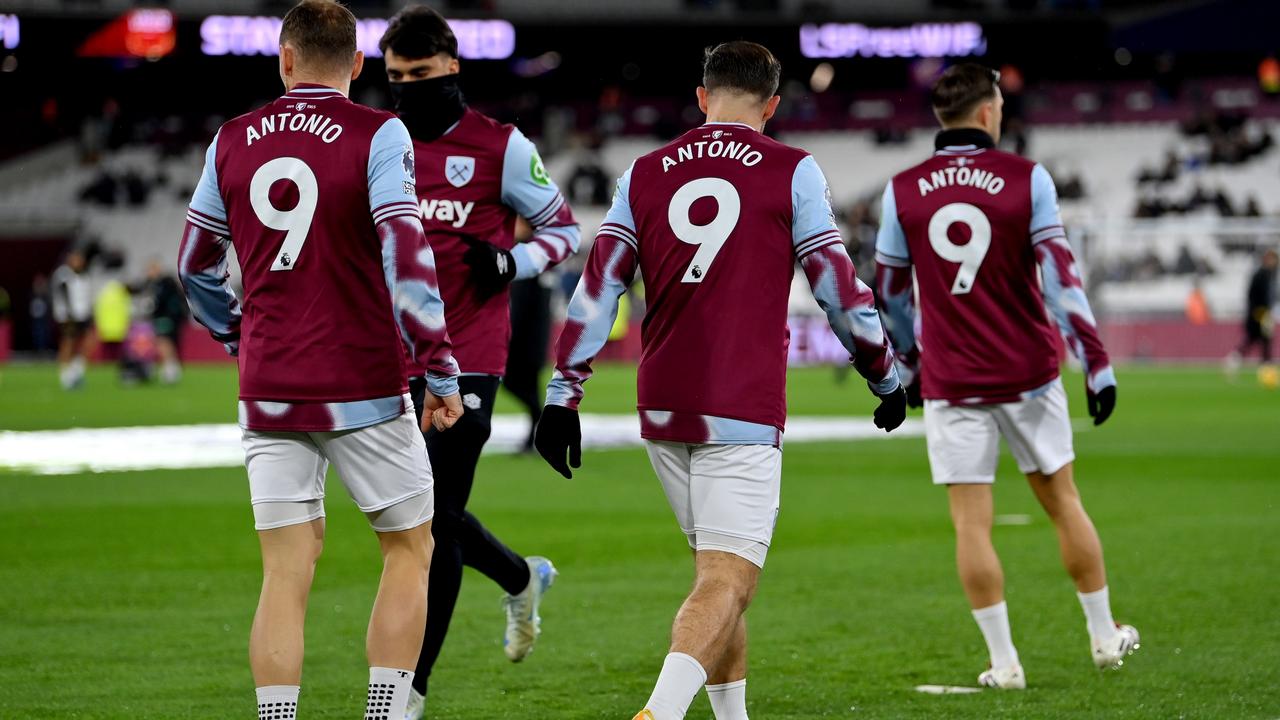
{"x":491,"y":266}
{"x":1101,"y":403}
{"x":430,"y":403}
{"x":909,"y":372}
{"x":892,"y":409}
{"x":441,"y":412}
{"x":559,"y":431}
{"x":913,"y":394}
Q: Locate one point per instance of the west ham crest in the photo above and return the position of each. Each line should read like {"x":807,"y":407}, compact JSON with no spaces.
{"x":459,"y":169}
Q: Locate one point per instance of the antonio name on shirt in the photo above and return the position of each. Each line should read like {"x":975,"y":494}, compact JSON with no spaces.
{"x":715,"y":144}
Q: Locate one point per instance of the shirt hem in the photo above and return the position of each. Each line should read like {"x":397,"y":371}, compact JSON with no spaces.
{"x":293,"y":427}
{"x":1003,"y":396}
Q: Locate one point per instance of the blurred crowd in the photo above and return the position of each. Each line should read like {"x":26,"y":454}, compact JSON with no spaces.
{"x":1217,"y":139}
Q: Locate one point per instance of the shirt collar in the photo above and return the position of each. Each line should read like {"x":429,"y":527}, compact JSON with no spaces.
{"x":962,"y":140}
{"x":312,"y":91}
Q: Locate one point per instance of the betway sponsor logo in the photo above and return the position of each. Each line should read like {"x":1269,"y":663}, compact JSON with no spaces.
{"x":454,"y":212}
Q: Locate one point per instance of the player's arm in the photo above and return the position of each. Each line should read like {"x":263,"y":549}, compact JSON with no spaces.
{"x":527,"y":189}
{"x":848,"y":303}
{"x":611,"y":266}
{"x":202,"y":260}
{"x":1064,"y":294}
{"x":895,"y":294}
{"x":409,"y":268}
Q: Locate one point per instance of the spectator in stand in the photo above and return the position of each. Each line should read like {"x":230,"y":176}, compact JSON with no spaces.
{"x":862,"y":222}
{"x":590,"y":183}
{"x":1197,"y":306}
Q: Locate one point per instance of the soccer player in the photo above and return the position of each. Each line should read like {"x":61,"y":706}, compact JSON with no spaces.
{"x":1257,"y":315}
{"x":475,"y":178}
{"x":73,"y":311}
{"x":316,"y":193}
{"x":169,"y":314}
{"x":976,"y":223}
{"x":716,"y":221}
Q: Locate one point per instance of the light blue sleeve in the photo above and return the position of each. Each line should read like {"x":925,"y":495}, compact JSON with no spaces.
{"x":1046,"y":221}
{"x":593,"y":308}
{"x":813,"y":222}
{"x":891,"y":240}
{"x":620,"y":211}
{"x":391,"y":173}
{"x":526,"y":187}
{"x":207,"y":199}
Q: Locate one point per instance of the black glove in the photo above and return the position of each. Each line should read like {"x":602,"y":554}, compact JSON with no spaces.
{"x":1101,"y":404}
{"x":892,"y":409}
{"x":559,"y":430}
{"x":491,"y":266}
{"x":913,"y":394}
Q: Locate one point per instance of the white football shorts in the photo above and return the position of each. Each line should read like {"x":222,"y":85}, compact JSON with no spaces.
{"x":964,"y":440}
{"x":725,"y":497}
{"x":384,"y":468}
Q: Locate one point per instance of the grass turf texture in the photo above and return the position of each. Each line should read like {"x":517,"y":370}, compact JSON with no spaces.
{"x":130,"y":595}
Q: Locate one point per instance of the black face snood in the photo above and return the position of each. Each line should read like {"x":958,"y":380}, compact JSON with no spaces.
{"x":429,"y":107}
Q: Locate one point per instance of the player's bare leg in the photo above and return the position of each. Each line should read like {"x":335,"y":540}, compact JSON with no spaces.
{"x":289,"y":557}
{"x":73,"y":353}
{"x":722,"y":589}
{"x":397,"y":622}
{"x":1082,"y":557}
{"x":1077,"y":539}
{"x":732,"y":665}
{"x":727,"y":679}
{"x":976,"y":560}
{"x":972,"y":513}
{"x":704,"y":627}
{"x":170,"y":367}
{"x":400,"y":611}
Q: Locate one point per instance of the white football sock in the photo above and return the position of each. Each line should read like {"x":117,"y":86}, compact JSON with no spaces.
{"x":729,"y":700}
{"x":994,"y":622}
{"x":277,"y":702}
{"x":678,"y":683}
{"x":170,"y":372}
{"x":1097,"y":612}
{"x":388,"y":693}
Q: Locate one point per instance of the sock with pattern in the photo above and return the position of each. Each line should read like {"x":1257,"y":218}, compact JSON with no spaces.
{"x":277,"y":702}
{"x":388,"y":693}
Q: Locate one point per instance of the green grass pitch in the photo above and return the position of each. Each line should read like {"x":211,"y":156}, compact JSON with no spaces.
{"x":130,"y":595}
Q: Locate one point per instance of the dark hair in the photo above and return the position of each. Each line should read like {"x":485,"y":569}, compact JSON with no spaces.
{"x":419,"y":32}
{"x":741,"y":66}
{"x":961,"y":88}
{"x":323,"y":32}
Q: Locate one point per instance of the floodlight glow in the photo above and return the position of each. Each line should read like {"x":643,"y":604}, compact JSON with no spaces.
{"x":922,"y":40}
{"x":9,"y":31}
{"x":260,"y":35}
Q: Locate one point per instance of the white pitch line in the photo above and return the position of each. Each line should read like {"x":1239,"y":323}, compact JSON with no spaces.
{"x":1016,"y":519}
{"x":947,"y":689}
{"x":57,"y":452}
